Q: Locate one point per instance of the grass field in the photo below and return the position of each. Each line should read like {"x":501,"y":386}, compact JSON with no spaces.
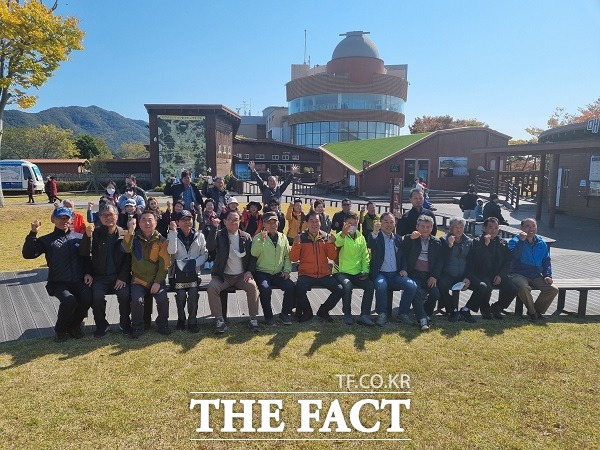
{"x":506,"y":384}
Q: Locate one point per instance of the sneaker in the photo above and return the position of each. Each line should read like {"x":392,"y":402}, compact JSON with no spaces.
{"x":348,"y":320}
{"x":194,"y":328}
{"x":486,"y":314}
{"x":270,"y":322}
{"x":285,"y":319}
{"x":381,"y":319}
{"x":220,"y":326}
{"x":147,"y":325}
{"x":125,"y":329}
{"x":497,"y":312}
{"x":533,"y":317}
{"x":324,"y":315}
{"x":453,"y":317}
{"x":61,"y":337}
{"x":100,"y":332}
{"x":180,"y":324}
{"x":365,"y":320}
{"x":76,"y":332}
{"x":306,"y":316}
{"x":423,"y":324}
{"x":466,"y":316}
{"x":405,"y":319}
{"x":540,"y":316}
{"x":253,"y":325}
{"x":136,"y":333}
{"x":165,"y":331}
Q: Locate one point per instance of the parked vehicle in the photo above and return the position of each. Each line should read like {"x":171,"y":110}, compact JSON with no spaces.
{"x":16,"y":172}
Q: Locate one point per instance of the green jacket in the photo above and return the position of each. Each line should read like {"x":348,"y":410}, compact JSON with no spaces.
{"x":271,"y":259}
{"x":353,"y":254}
{"x":150,"y":259}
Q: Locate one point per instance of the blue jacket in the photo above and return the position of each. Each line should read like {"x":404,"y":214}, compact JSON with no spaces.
{"x":377,"y":246}
{"x":530,"y":260}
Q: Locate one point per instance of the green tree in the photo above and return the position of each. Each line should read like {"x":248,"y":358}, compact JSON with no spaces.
{"x":45,"y":141}
{"x":133,"y":150}
{"x":33,"y":42}
{"x":92,"y":147}
{"x":433,"y":123}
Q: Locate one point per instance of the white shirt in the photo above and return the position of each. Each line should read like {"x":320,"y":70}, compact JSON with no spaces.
{"x":234,"y":264}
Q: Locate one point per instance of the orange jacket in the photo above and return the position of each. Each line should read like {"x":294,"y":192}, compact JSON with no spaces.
{"x":314,"y":253}
{"x":78,"y":223}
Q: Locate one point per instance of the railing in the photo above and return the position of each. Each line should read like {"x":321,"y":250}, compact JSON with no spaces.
{"x":511,"y":190}
{"x":118,"y":177}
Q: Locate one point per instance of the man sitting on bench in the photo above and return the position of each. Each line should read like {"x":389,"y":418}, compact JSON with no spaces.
{"x":531,"y":268}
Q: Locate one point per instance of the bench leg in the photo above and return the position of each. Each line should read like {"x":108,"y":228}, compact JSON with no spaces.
{"x":224,"y":296}
{"x":390,"y":302}
{"x":518,"y":307}
{"x":582,"y":303}
{"x":560,"y":306}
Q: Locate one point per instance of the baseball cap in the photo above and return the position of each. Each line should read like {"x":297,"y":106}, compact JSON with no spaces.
{"x":184,"y":213}
{"x":269,"y":216}
{"x":233,"y":200}
{"x":130,"y":202}
{"x":62,"y":211}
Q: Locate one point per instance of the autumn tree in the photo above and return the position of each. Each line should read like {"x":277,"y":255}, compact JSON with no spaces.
{"x":92,"y":147}
{"x":45,"y":142}
{"x":133,"y":150}
{"x":433,"y":123}
{"x":33,"y":42}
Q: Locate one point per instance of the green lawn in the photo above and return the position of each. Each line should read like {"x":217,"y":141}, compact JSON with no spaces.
{"x":494,"y":385}
{"x":374,"y":150}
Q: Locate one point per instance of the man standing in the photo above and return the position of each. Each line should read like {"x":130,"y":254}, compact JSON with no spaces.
{"x":217,"y":192}
{"x":468,"y":202}
{"x":131,"y":182}
{"x":233,"y":266}
{"x":188,"y":249}
{"x":340,"y":217}
{"x":66,"y":269}
{"x":186,"y":191}
{"x":425,"y":263}
{"x":110,"y":269}
{"x":531,"y":268}
{"x":313,"y":248}
{"x":271,"y":190}
{"x":491,"y":264}
{"x":407,"y":223}
{"x":149,"y":266}
{"x":492,"y":209}
{"x":458,"y":267}
{"x":354,"y":270}
{"x":367,"y":221}
{"x":388,"y":270}
{"x":272,"y":252}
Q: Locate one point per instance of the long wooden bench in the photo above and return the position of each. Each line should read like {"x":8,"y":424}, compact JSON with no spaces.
{"x":508,"y":232}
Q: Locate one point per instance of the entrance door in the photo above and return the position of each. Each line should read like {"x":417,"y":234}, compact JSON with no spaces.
{"x":414,"y":168}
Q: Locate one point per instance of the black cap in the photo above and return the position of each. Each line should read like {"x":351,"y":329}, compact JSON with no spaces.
{"x":184,"y":213}
{"x":269,"y":215}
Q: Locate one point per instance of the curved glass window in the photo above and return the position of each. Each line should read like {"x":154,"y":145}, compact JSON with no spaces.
{"x":314,"y":134}
{"x":346,"y":101}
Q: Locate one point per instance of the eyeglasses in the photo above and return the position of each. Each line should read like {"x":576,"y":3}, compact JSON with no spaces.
{"x":107,"y":216}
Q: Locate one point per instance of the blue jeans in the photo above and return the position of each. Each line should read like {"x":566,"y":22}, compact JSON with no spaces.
{"x":392,"y":280}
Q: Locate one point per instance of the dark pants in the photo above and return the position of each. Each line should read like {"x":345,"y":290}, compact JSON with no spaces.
{"x":100,"y":288}
{"x":446,"y":282}
{"x":508,"y":292}
{"x":394,"y":281}
{"x":189,"y":295}
{"x":433,"y":293}
{"x":265,"y":283}
{"x":75,"y":300}
{"x":138,"y":293}
{"x":148,"y":308}
{"x":350,"y":281}
{"x":328,"y":282}
{"x":31,"y":200}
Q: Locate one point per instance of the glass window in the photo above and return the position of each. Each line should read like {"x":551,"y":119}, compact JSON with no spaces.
{"x":344,"y":126}
{"x":353,"y":127}
{"x":362,"y":136}
{"x":333,"y":137}
{"x":371,"y":135}
{"x":308,"y":128}
{"x":362,"y":127}
{"x":343,"y":136}
{"x":380,"y":128}
{"x":371,"y":127}
{"x":324,"y":127}
{"x":324,"y":138}
{"x":334,"y":126}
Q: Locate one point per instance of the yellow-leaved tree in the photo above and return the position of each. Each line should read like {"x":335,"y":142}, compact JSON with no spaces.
{"x":34,"y":40}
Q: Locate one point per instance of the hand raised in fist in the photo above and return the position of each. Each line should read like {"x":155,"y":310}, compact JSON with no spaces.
{"x":252,"y":165}
{"x":522,"y":235}
{"x":131,"y":225}
{"x":415,"y":235}
{"x":363,"y":208}
{"x":376,"y":227}
{"x":216,"y":222}
{"x":168,"y":205}
{"x":263,"y":235}
{"x":331,"y":238}
{"x":89,"y":230}
{"x":297,"y":239}
{"x":90,"y":205}
{"x":172,"y":226}
{"x":35,"y":226}
{"x":451,"y":240}
{"x":192,"y":206}
{"x":346,"y":229}
{"x":487,"y":238}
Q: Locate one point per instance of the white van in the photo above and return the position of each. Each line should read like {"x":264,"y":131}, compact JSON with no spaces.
{"x":16,"y":172}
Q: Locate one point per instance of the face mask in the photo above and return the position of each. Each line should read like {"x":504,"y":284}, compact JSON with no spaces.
{"x":110,"y":191}
{"x":353,"y":229}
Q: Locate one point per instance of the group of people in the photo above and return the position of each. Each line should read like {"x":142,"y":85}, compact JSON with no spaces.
{"x":473,"y":208}
{"x":375,"y":253}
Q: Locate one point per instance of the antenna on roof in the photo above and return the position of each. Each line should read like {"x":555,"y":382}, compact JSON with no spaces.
{"x":305,"y":46}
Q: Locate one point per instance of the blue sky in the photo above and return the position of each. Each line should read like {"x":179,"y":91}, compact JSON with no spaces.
{"x":506,"y":63}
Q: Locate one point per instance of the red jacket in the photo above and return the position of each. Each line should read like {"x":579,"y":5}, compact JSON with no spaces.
{"x":314,"y":253}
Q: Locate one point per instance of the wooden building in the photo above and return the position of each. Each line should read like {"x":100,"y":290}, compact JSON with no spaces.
{"x":55,"y":166}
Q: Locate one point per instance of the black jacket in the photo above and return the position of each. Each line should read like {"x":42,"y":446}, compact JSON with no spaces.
{"x":65,"y":264}
{"x":337,"y":222}
{"x":490,"y":260}
{"x":219,"y":241}
{"x":468,"y":201}
{"x":412,"y":250}
{"x":408,"y":222}
{"x":96,"y":249}
{"x":269,"y":194}
{"x":221,"y":198}
{"x":176,"y":191}
{"x":377,"y":247}
{"x":492,"y":209}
